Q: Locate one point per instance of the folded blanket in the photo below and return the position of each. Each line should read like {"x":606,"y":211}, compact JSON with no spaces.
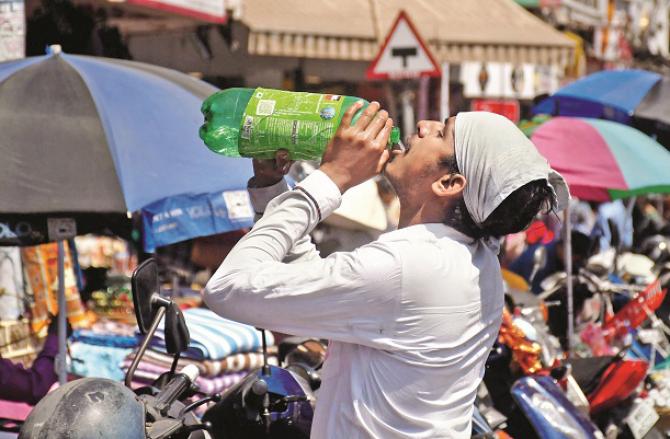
{"x":208,"y":368}
{"x":104,"y":339}
{"x":213,"y":337}
{"x":97,"y":361}
{"x":147,"y":372}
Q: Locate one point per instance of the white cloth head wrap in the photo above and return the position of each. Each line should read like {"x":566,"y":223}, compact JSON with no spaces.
{"x":496,"y":159}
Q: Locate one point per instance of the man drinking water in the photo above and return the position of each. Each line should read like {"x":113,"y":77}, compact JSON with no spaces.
{"x":412,"y":316}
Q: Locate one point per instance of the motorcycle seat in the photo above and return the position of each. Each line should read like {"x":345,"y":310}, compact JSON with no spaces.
{"x":588,"y":371}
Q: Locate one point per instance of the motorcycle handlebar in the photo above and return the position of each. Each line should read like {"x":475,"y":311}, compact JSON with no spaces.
{"x":177,"y":385}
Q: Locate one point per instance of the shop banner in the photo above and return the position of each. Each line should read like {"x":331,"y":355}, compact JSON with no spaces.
{"x":188,"y":216}
{"x":508,"y":108}
{"x":12,"y":30}
{"x":207,"y":10}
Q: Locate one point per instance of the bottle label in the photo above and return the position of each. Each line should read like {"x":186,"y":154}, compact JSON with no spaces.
{"x":302,"y":123}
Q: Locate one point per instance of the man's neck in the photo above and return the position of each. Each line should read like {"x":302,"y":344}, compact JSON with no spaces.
{"x":423,"y":214}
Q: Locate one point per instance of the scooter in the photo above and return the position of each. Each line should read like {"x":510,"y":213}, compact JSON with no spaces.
{"x":270,"y":402}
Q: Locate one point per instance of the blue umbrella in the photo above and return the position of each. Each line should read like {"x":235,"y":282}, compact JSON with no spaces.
{"x":618,"y":95}
{"x":90,"y":137}
{"x":86,"y":140}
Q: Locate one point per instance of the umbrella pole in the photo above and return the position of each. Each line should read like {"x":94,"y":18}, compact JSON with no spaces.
{"x":61,"y":368}
{"x":568,"y":269}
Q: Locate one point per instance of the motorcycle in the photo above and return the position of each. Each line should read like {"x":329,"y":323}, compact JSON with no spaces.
{"x":517,"y":373}
{"x":269,"y":402}
{"x":610,"y":381}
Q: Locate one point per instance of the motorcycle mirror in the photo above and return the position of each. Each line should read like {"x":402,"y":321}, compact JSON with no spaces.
{"x":177,"y":336}
{"x":539,"y":261}
{"x":144,"y":282}
{"x":540,"y":256}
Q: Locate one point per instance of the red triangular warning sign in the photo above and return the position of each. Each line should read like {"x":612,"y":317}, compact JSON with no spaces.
{"x":403,"y":55}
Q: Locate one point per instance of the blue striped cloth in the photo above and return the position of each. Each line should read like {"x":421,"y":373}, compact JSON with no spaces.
{"x":101,"y":339}
{"x":213,"y":337}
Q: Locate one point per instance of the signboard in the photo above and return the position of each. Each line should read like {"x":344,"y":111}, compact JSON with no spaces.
{"x":508,"y":108}
{"x":213,"y":11}
{"x":12,"y":30}
{"x":404,"y":55}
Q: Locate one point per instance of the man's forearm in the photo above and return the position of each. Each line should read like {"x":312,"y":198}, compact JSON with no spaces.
{"x":288,"y":220}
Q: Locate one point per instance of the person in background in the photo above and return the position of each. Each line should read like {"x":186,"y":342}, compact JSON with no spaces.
{"x":617,"y":213}
{"x":29,"y":385}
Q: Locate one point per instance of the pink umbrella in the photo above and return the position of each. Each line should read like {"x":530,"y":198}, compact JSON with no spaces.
{"x":603,"y":160}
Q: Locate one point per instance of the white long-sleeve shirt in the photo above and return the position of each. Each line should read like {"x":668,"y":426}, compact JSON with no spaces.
{"x":410,"y":317}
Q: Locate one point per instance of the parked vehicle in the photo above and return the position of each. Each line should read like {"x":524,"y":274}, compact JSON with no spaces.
{"x":269,"y":402}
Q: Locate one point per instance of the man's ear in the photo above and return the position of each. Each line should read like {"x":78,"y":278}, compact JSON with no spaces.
{"x":449,"y":185}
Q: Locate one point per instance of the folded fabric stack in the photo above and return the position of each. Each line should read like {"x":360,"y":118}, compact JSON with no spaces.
{"x":223,"y":350}
{"x":98,"y":352}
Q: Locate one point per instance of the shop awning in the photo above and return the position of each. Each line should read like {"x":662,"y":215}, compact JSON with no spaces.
{"x":456,"y":30}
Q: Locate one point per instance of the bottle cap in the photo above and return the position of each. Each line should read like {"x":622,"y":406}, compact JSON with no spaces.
{"x":394,"y":138}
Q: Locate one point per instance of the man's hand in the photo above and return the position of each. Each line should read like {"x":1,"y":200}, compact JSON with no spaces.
{"x":270,"y":172}
{"x":358,"y":152}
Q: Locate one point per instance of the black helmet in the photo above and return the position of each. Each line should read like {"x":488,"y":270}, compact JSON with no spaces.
{"x":87,"y":408}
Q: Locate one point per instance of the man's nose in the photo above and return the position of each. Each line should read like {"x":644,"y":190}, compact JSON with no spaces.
{"x":424,"y":127}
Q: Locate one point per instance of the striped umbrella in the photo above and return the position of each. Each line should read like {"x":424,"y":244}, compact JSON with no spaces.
{"x":603,"y":160}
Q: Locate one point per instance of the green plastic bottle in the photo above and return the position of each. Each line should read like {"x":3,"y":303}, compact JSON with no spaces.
{"x":257,"y":122}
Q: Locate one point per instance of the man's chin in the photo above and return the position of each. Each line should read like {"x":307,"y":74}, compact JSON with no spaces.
{"x":389,"y":173}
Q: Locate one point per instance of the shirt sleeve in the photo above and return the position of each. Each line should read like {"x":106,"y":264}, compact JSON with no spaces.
{"x":29,"y":385}
{"x":261,"y":196}
{"x":303,"y":248}
{"x":350,"y":297}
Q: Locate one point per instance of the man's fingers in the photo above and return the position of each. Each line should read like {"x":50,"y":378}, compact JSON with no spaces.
{"x":382,"y":136}
{"x":349,"y":114}
{"x":377,"y":124}
{"x":366,"y":116}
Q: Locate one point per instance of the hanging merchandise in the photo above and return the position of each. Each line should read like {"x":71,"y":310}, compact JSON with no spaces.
{"x":105,"y":252}
{"x":256,"y":123}
{"x":12,"y":29}
{"x":18,"y":342}
{"x":41,"y":274}
{"x":11,"y":284}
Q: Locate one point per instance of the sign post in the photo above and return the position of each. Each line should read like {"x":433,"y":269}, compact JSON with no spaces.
{"x":404,"y":56}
